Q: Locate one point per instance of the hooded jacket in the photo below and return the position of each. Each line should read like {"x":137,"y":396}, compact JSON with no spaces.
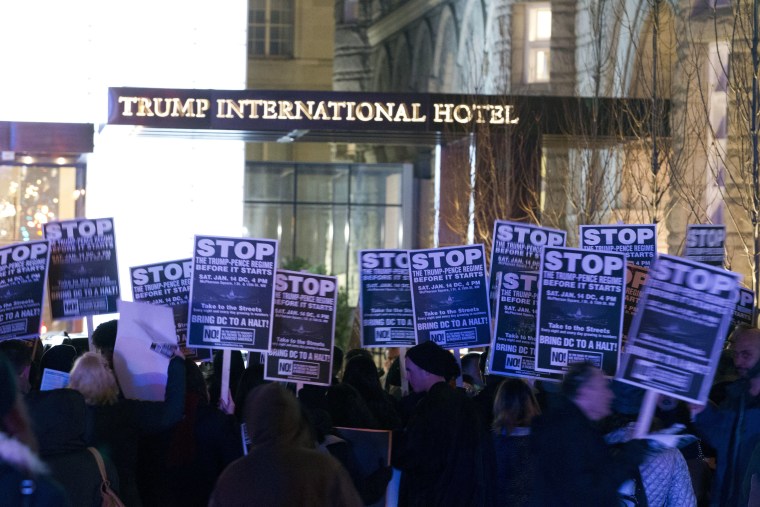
{"x":59,"y":420}
{"x":282,"y":468}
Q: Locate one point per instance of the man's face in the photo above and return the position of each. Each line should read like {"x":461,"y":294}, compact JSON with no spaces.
{"x":419,"y":379}
{"x":746,"y":353}
{"x":596,"y":396}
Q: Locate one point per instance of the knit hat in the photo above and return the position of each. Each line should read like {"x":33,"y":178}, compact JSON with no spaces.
{"x":434,"y":359}
{"x":8,"y":390}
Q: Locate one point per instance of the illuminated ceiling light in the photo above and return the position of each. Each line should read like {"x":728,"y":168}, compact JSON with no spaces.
{"x":61,"y":160}
{"x":26,"y":159}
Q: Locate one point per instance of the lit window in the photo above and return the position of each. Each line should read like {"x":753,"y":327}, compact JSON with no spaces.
{"x":326,"y":213}
{"x":538,"y":42}
{"x":270,"y":28}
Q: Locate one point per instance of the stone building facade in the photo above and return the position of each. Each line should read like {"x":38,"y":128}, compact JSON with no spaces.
{"x":689,"y":59}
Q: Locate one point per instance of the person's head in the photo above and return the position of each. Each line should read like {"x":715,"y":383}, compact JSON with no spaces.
{"x":471,"y":368}
{"x":92,"y":377}
{"x":347,"y":407}
{"x":354,"y":353}
{"x":513,"y":406}
{"x":361,"y":373}
{"x":746,"y":348}
{"x":104,"y":339}
{"x":273,"y":416}
{"x":389,"y":355}
{"x":427,"y":364}
{"x":587,"y":387}
{"x":59,"y":358}
{"x":195,"y":382}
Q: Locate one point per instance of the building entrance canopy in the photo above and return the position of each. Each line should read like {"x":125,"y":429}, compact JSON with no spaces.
{"x":325,"y":116}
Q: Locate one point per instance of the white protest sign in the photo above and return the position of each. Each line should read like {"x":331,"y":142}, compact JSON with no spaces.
{"x":145,"y":337}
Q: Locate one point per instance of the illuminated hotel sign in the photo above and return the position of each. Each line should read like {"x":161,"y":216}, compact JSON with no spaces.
{"x":286,"y":110}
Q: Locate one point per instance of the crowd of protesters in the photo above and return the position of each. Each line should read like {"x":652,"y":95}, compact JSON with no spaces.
{"x":460,"y":437}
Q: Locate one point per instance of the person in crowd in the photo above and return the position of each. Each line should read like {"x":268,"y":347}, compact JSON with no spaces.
{"x":485,"y":397}
{"x":200,"y":446}
{"x":104,"y":339}
{"x":59,"y":418}
{"x":733,"y":427}
{"x":253,"y":376}
{"x":574,"y":465}
{"x":346,"y":408}
{"x":389,"y":355}
{"x":354,"y":353}
{"x":20,"y":354}
{"x":664,"y":473}
{"x":315,"y":397}
{"x":361,"y":374}
{"x":115,"y":424}
{"x":59,"y":358}
{"x":445,"y":454}
{"x":471,"y":377}
{"x":282,"y":467}
{"x":24,"y":479}
{"x":392,"y":382}
{"x":514,"y":408}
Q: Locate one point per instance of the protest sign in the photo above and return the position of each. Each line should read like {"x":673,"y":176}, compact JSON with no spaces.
{"x":303,"y":329}
{"x":744,"y":311}
{"x":637,"y":242}
{"x":145,"y":341}
{"x":385,"y":299}
{"x":166,"y":284}
{"x":705,"y":243}
{"x":635,"y":278}
{"x":677,"y":333}
{"x":450,"y":297}
{"x":580,"y":309}
{"x":515,"y":259}
{"x":232,"y":292}
{"x":22,"y":288}
{"x":517,"y":247}
{"x":83,"y":275}
{"x":370,"y":450}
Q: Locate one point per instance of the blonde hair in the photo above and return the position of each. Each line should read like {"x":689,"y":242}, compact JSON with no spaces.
{"x":92,"y":377}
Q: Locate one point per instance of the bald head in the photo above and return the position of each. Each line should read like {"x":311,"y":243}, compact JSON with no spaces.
{"x":746,"y":349}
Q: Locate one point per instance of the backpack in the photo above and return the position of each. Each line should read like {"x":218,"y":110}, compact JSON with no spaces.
{"x":109,"y":497}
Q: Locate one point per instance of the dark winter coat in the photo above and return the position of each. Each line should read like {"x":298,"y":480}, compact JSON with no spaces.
{"x":515,"y":468}
{"x":445,"y":454}
{"x":200,"y":447}
{"x":116,"y":429}
{"x":281,"y":469}
{"x":735,"y":424}
{"x":58,"y":419}
{"x":574,"y":465}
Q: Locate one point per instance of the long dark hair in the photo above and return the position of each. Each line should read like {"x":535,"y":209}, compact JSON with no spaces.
{"x":514,"y":406}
